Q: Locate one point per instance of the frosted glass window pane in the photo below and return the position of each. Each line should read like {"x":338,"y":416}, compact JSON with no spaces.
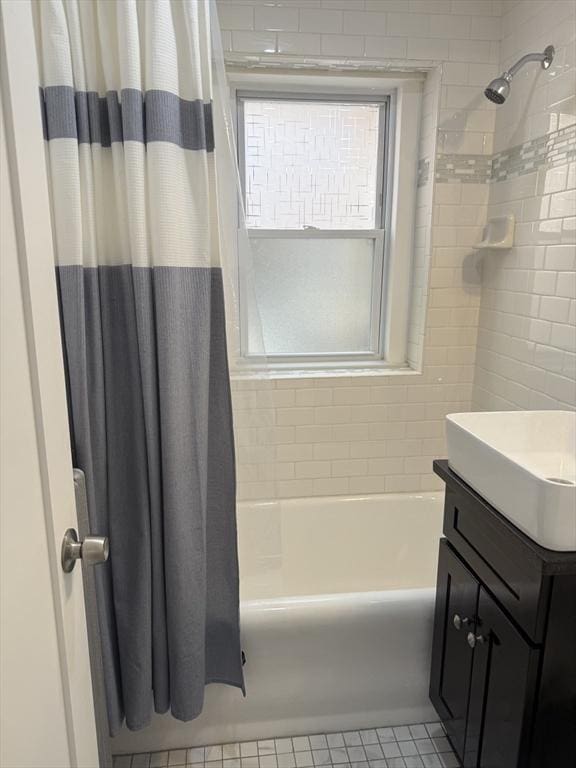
{"x":311,"y":163}
{"x":314,"y":296}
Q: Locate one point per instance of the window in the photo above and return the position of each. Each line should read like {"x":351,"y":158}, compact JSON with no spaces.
{"x":313,"y":174}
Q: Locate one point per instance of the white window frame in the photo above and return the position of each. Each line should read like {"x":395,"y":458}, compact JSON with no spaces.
{"x":402,"y":95}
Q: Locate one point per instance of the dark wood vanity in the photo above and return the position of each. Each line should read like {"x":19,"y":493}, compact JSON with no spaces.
{"x":503,"y":677}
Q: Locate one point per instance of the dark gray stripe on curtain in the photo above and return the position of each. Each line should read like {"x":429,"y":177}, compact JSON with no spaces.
{"x":131,"y":116}
{"x":151,"y":424}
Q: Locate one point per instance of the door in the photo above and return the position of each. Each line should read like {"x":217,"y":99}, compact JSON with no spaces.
{"x":504,"y":673}
{"x":46,"y":710}
{"x":456,"y":605}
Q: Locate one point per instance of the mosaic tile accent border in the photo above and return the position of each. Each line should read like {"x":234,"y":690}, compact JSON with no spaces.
{"x":552,"y":149}
{"x":407,"y":746}
{"x":423,"y":172}
{"x":470,"y":169}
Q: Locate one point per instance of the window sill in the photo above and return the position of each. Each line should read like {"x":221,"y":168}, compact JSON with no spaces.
{"x":271,"y":373}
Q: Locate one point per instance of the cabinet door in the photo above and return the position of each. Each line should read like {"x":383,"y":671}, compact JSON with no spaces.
{"x":502,"y":685}
{"x":456,"y":605}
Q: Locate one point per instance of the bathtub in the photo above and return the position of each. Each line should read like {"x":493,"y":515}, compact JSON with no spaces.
{"x":337,"y":598}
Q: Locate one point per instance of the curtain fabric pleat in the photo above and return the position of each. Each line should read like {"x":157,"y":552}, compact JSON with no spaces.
{"x":126,"y":100}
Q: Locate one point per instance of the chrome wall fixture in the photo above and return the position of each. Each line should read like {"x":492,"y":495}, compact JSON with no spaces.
{"x":499,"y":89}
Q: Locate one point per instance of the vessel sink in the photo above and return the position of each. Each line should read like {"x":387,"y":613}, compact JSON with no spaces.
{"x":524,"y":464}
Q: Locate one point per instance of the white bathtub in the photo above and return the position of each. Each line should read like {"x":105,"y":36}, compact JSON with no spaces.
{"x":337,"y":606}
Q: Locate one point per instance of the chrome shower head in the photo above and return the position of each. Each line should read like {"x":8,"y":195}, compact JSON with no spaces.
{"x":499,"y":89}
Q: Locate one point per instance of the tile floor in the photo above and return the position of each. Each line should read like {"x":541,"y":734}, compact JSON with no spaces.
{"x":407,"y":746}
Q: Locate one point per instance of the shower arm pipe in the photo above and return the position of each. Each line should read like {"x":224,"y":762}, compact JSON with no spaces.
{"x":544,"y":58}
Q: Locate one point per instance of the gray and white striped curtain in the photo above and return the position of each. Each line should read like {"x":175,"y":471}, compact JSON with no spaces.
{"x":126,"y":97}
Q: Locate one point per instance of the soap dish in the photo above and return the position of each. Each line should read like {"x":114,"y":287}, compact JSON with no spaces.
{"x":498,"y":233}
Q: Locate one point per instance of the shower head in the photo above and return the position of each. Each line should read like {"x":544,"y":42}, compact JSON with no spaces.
{"x":499,"y":89}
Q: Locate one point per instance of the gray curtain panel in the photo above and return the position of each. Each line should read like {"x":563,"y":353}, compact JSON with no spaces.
{"x":131,"y":168}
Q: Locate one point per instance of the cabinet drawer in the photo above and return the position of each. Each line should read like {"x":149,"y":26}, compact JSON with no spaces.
{"x":499,"y":559}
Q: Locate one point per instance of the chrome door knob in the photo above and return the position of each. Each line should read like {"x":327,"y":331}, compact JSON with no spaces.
{"x":93,"y":550}
{"x":460,"y":622}
{"x":474,"y":639}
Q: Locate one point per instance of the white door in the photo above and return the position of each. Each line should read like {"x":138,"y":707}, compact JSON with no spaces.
{"x":47,"y":715}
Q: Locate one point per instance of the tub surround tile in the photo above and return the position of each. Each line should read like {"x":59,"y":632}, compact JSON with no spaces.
{"x":383,"y":30}
{"x":549,"y":150}
{"x":506,"y":152}
{"x":463,"y":168}
{"x":378,"y":435}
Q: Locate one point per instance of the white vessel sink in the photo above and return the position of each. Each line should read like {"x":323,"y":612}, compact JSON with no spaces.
{"x":524,"y":464}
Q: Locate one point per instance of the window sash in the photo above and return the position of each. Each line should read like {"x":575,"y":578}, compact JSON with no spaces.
{"x":376,"y":330}
{"x":383,"y":130}
{"x":375,"y":354}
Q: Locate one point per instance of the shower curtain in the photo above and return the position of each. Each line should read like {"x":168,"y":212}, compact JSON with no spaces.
{"x":126,"y":91}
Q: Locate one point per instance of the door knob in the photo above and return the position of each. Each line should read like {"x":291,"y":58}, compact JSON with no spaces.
{"x":93,"y":550}
{"x":460,"y":622}
{"x":474,"y":639}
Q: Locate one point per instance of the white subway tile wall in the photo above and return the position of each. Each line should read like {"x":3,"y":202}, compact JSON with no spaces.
{"x":373,"y":434}
{"x":526,"y":354}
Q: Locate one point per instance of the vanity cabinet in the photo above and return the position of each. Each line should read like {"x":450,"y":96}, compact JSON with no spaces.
{"x":503,"y":677}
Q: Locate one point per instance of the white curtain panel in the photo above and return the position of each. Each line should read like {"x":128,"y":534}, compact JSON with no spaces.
{"x":126,"y":93}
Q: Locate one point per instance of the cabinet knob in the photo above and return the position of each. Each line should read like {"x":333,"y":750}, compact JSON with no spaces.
{"x":473,"y":639}
{"x":460,"y":622}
